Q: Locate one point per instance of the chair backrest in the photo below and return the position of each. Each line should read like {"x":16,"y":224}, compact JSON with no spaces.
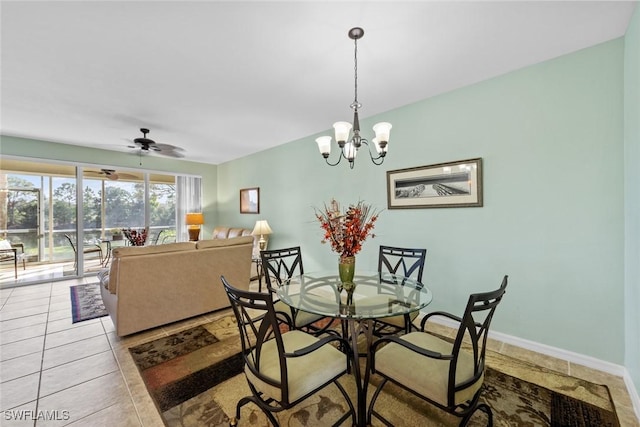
{"x":73,"y":246}
{"x":473,"y":331}
{"x":402,"y":261}
{"x":259,"y":330}
{"x":281,"y":264}
{"x":6,"y":250}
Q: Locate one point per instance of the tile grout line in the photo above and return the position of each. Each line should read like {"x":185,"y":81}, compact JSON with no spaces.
{"x":44,"y":345}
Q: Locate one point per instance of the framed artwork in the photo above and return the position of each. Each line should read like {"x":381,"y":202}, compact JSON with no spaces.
{"x":250,"y":200}
{"x":444,"y":185}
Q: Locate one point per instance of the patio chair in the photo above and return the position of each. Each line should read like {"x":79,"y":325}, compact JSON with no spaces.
{"x":283,"y":368}
{"x":86,"y":248}
{"x":446,"y":374}
{"x":9,"y":252}
{"x":404,"y":262}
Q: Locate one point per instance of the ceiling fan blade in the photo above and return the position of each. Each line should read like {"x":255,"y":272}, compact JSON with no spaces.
{"x":168,"y":147}
{"x":128,"y":176}
{"x":174,"y":154}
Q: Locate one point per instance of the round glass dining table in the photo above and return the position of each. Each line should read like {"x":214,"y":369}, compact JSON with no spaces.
{"x":374,"y":295}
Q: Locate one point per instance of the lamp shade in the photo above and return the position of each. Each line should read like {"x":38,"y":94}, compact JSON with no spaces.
{"x":342,"y":130}
{"x":261,"y":228}
{"x":195,"y":219}
{"x":324,"y":144}
{"x":382,"y":130}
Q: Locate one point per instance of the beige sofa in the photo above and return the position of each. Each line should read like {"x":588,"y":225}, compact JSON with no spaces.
{"x":150,"y":286}
{"x":231,"y":232}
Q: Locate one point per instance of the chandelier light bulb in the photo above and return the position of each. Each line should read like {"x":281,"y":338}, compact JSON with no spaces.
{"x":350,"y":151}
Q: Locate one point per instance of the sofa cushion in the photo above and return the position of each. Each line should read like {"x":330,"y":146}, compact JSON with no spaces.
{"x":237,"y":232}
{"x":220,"y":232}
{"x":148,"y":250}
{"x":103,"y":277}
{"x":216,"y":243}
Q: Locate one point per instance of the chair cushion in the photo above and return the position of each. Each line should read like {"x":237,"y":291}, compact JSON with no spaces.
{"x":304,"y":374}
{"x":5,"y":244}
{"x":425,"y":375}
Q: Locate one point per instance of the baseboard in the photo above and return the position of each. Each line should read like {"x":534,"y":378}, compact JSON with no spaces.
{"x":558,"y":353}
{"x":633,"y":393}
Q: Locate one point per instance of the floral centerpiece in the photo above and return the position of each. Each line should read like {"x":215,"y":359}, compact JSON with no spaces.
{"x":346,"y":232}
{"x":135,"y":237}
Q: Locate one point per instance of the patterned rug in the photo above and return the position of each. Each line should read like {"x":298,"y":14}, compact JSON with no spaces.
{"x":86,"y":302}
{"x":195,"y":379}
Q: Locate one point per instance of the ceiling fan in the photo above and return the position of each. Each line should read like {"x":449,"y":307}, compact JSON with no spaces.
{"x":146,"y":145}
{"x":110,"y":174}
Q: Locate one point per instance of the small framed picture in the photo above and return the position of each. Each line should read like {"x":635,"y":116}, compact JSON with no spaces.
{"x":444,"y":185}
{"x":250,"y":200}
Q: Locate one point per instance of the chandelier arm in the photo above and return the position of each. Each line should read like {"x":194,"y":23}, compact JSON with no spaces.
{"x":373,"y":159}
{"x":326,"y":159}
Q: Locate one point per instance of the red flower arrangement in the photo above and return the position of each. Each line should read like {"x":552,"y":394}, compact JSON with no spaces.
{"x":346,"y":232}
{"x":136,"y":238}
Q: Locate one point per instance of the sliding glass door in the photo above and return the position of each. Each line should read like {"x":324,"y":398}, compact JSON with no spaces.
{"x":40,"y":204}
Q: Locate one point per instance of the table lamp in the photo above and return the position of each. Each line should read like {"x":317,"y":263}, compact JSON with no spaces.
{"x":262,"y":228}
{"x":194,"y":221}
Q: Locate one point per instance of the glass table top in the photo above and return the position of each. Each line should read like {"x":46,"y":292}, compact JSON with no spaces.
{"x":374,"y":296}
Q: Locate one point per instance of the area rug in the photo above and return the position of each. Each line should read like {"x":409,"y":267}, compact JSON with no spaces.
{"x":195,"y":379}
{"x":86,"y":302}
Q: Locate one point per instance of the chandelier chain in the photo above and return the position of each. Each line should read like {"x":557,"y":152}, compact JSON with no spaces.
{"x":355,"y":70}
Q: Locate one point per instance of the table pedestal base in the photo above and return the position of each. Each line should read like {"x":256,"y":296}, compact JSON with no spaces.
{"x":362,"y":381}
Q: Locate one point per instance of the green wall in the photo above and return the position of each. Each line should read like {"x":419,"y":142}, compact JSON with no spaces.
{"x":72,"y":153}
{"x":551,"y":137}
{"x":632,"y":196}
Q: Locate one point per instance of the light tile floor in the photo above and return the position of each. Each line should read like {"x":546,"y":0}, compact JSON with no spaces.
{"x":55,"y":373}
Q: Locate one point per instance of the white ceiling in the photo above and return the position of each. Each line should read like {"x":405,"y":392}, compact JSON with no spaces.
{"x":226,"y":79}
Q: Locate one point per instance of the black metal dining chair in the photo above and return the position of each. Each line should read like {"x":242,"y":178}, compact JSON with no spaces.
{"x":278,"y":266}
{"x":406,"y":263}
{"x":284,"y":368}
{"x":446,"y":373}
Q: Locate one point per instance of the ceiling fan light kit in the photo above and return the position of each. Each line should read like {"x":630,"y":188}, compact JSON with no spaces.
{"x":146,"y":145}
{"x":110,"y":174}
{"x":349,"y":146}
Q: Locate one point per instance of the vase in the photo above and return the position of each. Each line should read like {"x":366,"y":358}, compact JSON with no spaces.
{"x":346,"y":270}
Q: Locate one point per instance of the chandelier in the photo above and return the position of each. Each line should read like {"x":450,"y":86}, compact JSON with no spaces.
{"x":349,"y":146}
